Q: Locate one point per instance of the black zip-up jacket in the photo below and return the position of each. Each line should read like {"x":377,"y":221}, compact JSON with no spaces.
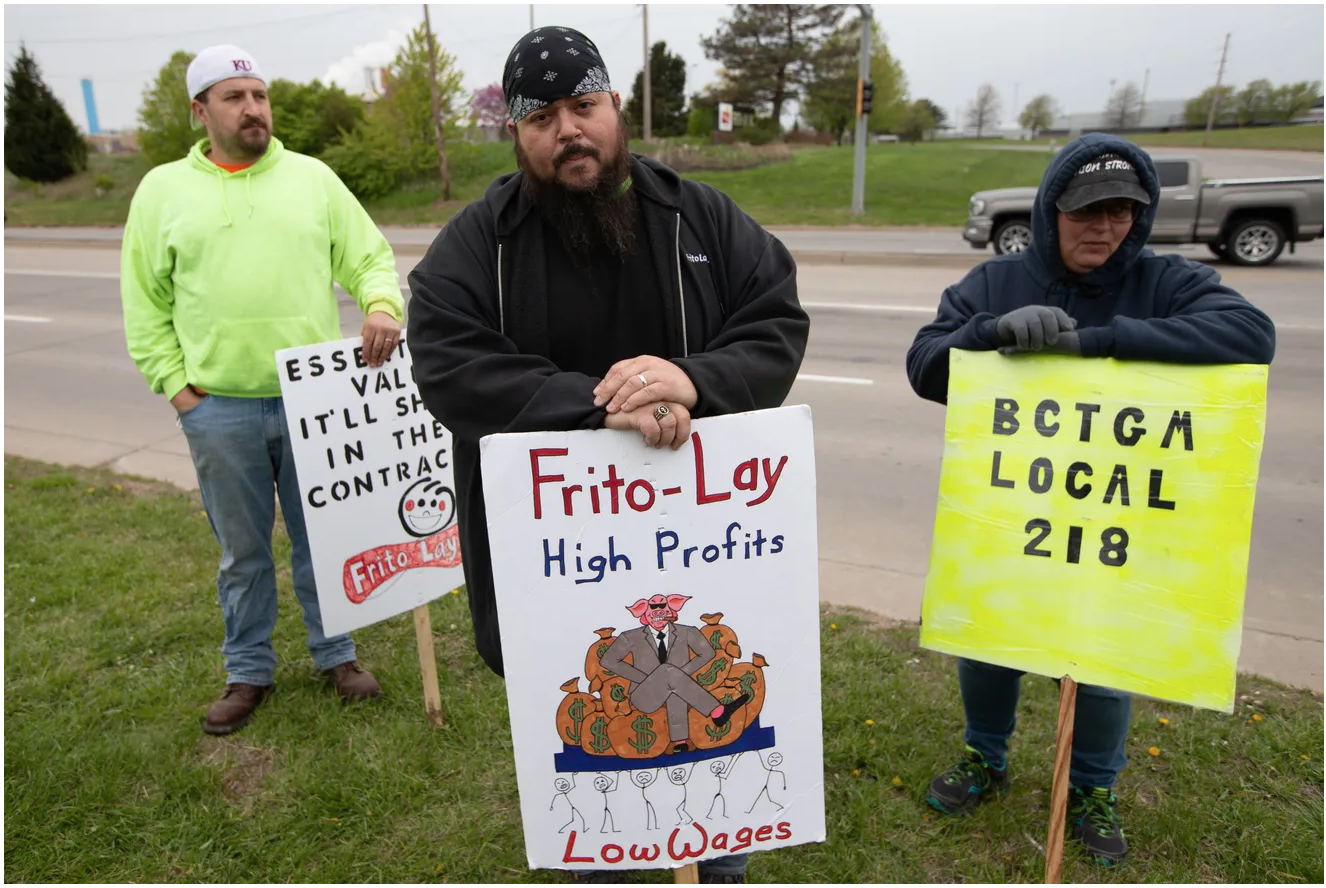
{"x":478,"y":331}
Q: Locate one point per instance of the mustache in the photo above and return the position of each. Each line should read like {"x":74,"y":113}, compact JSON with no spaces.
{"x":575,"y":149}
{"x":252,"y":121}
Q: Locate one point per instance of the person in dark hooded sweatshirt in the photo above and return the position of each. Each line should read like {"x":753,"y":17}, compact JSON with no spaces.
{"x":592,"y":289}
{"x":1087,"y":286}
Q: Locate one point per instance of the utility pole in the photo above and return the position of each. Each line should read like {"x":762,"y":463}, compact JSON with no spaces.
{"x":1146,"y":81}
{"x":862,"y":113}
{"x":648,"y":122}
{"x":437,"y":112}
{"x":1215,"y":97}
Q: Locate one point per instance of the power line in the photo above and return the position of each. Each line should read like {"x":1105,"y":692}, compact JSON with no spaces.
{"x":209,"y":30}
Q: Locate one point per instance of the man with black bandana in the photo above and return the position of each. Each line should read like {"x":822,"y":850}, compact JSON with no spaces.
{"x":592,"y":289}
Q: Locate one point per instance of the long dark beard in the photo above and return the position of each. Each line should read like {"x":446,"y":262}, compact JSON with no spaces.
{"x":588,"y":220}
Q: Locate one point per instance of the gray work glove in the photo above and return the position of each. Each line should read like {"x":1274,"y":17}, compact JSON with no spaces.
{"x":1036,"y":327}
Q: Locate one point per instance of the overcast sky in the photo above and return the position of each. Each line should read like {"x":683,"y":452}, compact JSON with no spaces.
{"x":1071,"y":52}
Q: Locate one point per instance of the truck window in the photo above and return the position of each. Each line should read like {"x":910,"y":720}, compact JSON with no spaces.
{"x":1172,"y":173}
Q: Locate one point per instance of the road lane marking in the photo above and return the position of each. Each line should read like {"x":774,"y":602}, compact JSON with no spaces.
{"x":27,"y":319}
{"x":41,"y":272}
{"x":841,"y":380}
{"x":870,"y":306}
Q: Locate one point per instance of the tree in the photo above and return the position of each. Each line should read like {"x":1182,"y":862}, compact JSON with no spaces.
{"x":1253,"y":103}
{"x":406,"y":106}
{"x":1292,"y":100}
{"x":830,"y":104}
{"x":1196,"y":111}
{"x":41,"y":141}
{"x":164,"y":131}
{"x":488,"y":106}
{"x":396,"y":141}
{"x":1124,"y":109}
{"x":309,"y":117}
{"x":936,"y":112}
{"x":1039,"y":114}
{"x":917,"y":120}
{"x":667,"y":97}
{"x":768,"y":50}
{"x":984,"y":109}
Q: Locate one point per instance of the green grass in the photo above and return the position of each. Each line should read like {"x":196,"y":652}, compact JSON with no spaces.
{"x":111,"y":630}
{"x":75,"y":201}
{"x":922,"y":184}
{"x":926,"y":184}
{"x":1267,"y":138}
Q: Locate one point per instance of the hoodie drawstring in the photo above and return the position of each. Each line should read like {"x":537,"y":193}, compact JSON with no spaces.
{"x":225,"y":206}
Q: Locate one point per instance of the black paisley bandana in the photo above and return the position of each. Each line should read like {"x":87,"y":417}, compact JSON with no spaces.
{"x":548,"y":64}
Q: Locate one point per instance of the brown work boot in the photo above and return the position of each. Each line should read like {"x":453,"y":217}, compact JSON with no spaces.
{"x":354,"y":682}
{"x":234,"y":709}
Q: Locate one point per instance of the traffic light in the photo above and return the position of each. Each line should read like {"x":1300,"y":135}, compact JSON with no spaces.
{"x":867,"y":90}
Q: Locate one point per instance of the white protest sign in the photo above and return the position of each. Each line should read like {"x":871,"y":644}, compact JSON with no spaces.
{"x":375,"y":478}
{"x":628,"y":757}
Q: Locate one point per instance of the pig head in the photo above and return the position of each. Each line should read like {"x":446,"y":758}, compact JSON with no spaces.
{"x":658,"y":610}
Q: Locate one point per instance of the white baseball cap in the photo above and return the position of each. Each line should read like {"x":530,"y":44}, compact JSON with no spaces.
{"x":217,"y":63}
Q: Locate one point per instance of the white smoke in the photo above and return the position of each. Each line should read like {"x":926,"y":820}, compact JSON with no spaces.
{"x":349,"y":72}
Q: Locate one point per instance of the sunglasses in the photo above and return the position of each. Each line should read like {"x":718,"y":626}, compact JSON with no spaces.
{"x":1122,"y":210}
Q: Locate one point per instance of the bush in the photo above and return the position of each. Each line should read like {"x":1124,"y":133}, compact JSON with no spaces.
{"x":369,"y":162}
{"x":103,"y":183}
{"x":701,"y":120}
{"x":764,"y":131}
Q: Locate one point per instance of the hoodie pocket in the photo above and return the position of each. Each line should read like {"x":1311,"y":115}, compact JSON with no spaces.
{"x":239,"y":357}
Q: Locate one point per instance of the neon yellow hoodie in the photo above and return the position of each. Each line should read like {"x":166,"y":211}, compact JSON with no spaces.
{"x":219,"y":270}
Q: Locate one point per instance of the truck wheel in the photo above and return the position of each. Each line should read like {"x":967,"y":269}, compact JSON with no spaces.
{"x":1219,"y":250}
{"x":1012,"y":236}
{"x":1255,"y":242}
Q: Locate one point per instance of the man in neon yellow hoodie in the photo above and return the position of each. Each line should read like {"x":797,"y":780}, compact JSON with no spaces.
{"x":230,"y":254}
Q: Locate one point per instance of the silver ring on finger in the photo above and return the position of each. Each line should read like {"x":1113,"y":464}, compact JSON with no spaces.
{"x":661,"y":411}
{"x":644,"y":383}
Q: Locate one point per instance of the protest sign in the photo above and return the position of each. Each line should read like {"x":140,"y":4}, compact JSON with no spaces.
{"x":634,"y":750}
{"x":375,"y":477}
{"x":1094,"y":520}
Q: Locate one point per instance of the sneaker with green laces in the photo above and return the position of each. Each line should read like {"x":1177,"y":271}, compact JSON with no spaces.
{"x":965,"y":785}
{"x":1094,"y":820}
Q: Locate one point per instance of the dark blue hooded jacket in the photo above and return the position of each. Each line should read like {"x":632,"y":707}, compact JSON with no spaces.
{"x":1137,"y":306}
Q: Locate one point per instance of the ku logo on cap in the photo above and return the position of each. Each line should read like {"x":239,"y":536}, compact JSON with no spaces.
{"x":242,"y":64}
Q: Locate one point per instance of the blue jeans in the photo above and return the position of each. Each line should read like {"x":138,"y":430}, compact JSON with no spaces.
{"x":241,"y":451}
{"x":1100,"y":728}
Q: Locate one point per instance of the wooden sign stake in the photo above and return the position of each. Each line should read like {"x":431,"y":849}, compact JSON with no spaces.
{"x":423,"y":636}
{"x":686,"y":875}
{"x":1063,"y":753}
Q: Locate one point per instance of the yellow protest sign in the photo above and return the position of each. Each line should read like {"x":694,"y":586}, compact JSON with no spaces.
{"x":1094,"y":520}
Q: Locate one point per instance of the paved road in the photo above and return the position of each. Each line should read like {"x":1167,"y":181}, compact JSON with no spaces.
{"x":73,"y":396}
{"x":871,"y":246}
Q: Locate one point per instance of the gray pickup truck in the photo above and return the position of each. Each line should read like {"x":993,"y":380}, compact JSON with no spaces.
{"x":1247,"y":221}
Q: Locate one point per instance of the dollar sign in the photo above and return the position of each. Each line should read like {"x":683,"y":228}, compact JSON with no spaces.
{"x":577,"y":713}
{"x":603,"y":649}
{"x":617,"y":693}
{"x":644,"y":737}
{"x":716,"y":639}
{"x":748,"y":685}
{"x":600,"y":735}
{"x":710,"y":675}
{"x":720,"y":733}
